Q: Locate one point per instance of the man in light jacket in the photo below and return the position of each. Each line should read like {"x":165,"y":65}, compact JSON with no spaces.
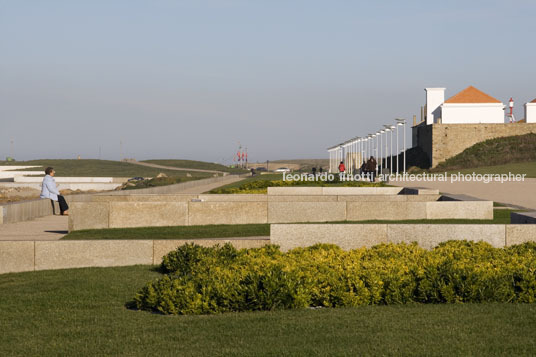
{"x":50,"y":190}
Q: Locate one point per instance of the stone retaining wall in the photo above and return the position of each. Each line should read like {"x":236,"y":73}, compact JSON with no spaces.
{"x":183,"y":210}
{"x":19,"y":256}
{"x":352,"y":236}
{"x":442,"y":141}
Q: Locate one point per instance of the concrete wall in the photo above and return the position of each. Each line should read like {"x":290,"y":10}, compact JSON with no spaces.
{"x":434,"y":98}
{"x":530,"y":112}
{"x":442,"y":141}
{"x":318,"y":191}
{"x":66,"y":186}
{"x":25,"y":211}
{"x":71,"y":179}
{"x":474,"y":113}
{"x":20,"y":256}
{"x":28,"y":210}
{"x":352,"y":236}
{"x":175,"y":210}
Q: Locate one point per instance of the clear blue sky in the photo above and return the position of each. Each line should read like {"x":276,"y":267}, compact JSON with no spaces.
{"x":190,"y":79}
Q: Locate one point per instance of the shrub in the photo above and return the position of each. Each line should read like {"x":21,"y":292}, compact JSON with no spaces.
{"x":221,"y":279}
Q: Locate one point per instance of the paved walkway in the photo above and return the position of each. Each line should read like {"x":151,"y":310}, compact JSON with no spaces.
{"x":156,"y":166}
{"x":521,"y":194}
{"x":211,"y":186}
{"x":43,"y":228}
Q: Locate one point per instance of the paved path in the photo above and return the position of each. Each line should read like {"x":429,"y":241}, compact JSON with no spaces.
{"x":156,"y":166}
{"x":211,"y":186}
{"x":43,"y":228}
{"x":521,"y":194}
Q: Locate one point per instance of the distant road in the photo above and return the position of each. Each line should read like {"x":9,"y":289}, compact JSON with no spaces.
{"x":521,"y":194}
{"x":156,"y":166}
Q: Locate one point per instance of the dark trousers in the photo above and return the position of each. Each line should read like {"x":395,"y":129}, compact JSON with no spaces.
{"x":63,"y":204}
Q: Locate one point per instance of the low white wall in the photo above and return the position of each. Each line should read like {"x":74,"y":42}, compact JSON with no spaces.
{"x":65,"y":186}
{"x":67,"y":179}
{"x":530,"y":112}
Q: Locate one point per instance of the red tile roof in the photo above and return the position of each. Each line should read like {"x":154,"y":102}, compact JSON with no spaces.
{"x":472,"y":95}
{"x":534,"y":101}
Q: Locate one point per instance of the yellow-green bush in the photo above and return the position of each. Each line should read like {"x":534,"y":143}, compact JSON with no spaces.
{"x":211,"y":280}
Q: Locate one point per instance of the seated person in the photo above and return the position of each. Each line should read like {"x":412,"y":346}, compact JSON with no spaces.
{"x":50,"y":190}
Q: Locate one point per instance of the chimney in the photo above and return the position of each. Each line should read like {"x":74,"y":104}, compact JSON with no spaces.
{"x":434,"y":98}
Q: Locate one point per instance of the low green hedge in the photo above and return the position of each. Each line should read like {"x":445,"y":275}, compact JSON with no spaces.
{"x":201,"y":280}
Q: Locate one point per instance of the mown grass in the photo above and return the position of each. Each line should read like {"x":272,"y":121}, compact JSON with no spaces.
{"x":81,"y":312}
{"x":500,"y":216}
{"x":174,"y":232}
{"x":200,"y":165}
{"x":103,"y":168}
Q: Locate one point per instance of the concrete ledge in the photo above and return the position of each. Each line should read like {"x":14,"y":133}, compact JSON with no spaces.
{"x":353,"y":236}
{"x":233,"y":198}
{"x":89,"y":215}
{"x":16,"y":256}
{"x":361,"y":190}
{"x":359,"y":211}
{"x":459,"y":210}
{"x":430,"y":235}
{"x":311,"y":198}
{"x":103,"y":253}
{"x":346,"y":236}
{"x":148,"y":214}
{"x":520,"y":233}
{"x":201,"y":213}
{"x":523,"y":217}
{"x":283,"y":212}
{"x":286,"y":191}
{"x":20,"y":256}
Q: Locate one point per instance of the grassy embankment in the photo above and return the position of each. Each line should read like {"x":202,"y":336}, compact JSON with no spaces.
{"x":515,"y":154}
{"x":107,"y":168}
{"x":82,"y":312}
{"x":100,"y":168}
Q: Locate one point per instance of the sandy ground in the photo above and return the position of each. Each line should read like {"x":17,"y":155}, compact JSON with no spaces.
{"x":521,"y":194}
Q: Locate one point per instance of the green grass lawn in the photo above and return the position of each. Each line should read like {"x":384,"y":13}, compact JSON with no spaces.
{"x":500,"y":216}
{"x":174,"y":232}
{"x":103,"y":168}
{"x":192,"y":164}
{"x":81,"y":312}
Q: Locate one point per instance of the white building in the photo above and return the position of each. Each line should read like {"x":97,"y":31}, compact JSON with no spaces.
{"x":470,"y":106}
{"x":530,"y":112}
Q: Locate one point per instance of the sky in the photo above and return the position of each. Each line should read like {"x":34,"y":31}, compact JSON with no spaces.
{"x":286,"y":79}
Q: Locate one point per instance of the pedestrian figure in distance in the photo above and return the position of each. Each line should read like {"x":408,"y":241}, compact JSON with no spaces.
{"x":371,"y":168}
{"x":314,"y":171}
{"x":342,"y":168}
{"x":320,"y":169}
{"x":50,"y":190}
